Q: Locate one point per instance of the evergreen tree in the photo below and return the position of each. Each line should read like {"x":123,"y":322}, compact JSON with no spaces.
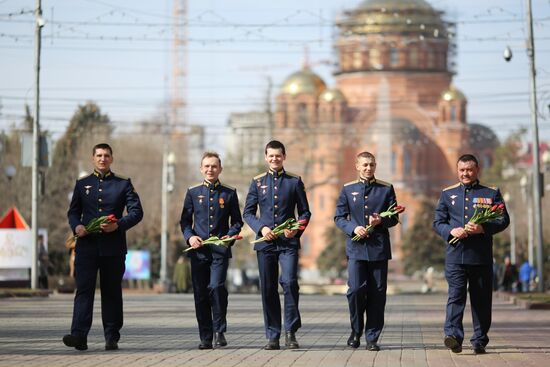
{"x":333,"y":258}
{"x":422,"y":247}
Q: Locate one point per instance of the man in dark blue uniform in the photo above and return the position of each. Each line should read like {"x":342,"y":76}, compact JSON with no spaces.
{"x":210,"y":209}
{"x":278,"y":194}
{"x":99,"y":194}
{"x":359,"y":205}
{"x":469,"y":262}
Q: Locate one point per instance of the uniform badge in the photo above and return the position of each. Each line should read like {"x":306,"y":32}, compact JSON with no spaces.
{"x":263,"y":187}
{"x":221,"y":202}
{"x":87,"y":187}
{"x":200,"y":197}
{"x":453,"y":197}
{"x":354,"y":194}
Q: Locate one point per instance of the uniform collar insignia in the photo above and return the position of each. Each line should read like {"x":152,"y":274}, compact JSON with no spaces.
{"x":278,"y":173}
{"x":368,"y":181}
{"x":100,"y":175}
{"x":473,"y":184}
{"x":208,"y":184}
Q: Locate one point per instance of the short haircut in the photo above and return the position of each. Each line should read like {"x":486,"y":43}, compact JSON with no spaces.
{"x":211,"y":155}
{"x":275,"y":144}
{"x":102,"y":146}
{"x":365,"y":155}
{"x":468,"y":158}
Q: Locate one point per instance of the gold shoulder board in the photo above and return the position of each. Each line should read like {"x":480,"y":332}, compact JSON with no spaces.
{"x":383,"y":182}
{"x":451,"y":187}
{"x":292,"y":174}
{"x":229,"y":187}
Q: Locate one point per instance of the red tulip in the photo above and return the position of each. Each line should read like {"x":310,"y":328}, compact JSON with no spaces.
{"x":237,"y":237}
{"x":302,"y":228}
{"x":501,"y":206}
{"x":494,"y":207}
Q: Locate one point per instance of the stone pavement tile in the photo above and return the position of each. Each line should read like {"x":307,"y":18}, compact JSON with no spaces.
{"x":160,"y":330}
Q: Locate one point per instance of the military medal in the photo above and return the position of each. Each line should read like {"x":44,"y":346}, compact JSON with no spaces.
{"x":354,"y":194}
{"x":87,"y":187}
{"x":263,"y":189}
{"x":221,"y":202}
{"x":200,"y":197}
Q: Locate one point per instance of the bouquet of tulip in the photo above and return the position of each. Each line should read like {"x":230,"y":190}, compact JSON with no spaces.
{"x":485,"y":215}
{"x":394,"y":209}
{"x":291,"y":224}
{"x":216,"y":241}
{"x":94,"y":226}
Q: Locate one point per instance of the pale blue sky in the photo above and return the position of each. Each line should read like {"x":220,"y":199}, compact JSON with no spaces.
{"x":117,"y":53}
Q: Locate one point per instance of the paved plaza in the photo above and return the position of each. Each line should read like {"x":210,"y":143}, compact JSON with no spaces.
{"x":160,"y":330}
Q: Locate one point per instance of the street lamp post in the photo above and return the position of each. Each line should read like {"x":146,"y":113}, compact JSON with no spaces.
{"x":36,"y":144}
{"x":537,"y":209}
{"x":526,"y":192}
{"x":508,"y":199}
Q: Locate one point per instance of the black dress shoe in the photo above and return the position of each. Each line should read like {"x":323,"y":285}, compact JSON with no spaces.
{"x":111,"y":345}
{"x":290,"y":340}
{"x":453,"y":344}
{"x":76,"y":342}
{"x":219,"y":340}
{"x":272,"y":344}
{"x":205,"y":345}
{"x":479,"y":349}
{"x":372,"y":346}
{"x":354,"y":340}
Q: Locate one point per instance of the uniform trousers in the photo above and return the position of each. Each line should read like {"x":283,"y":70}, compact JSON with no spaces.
{"x":111,"y":269}
{"x":269,"y":260}
{"x":477,"y":279}
{"x":210,"y":293}
{"x":367,"y":285}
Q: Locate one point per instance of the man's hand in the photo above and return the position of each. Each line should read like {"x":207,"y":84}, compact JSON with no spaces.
{"x":109,"y":227}
{"x":474,"y":228}
{"x":195,"y":242}
{"x":268,"y":234}
{"x":361,"y":231}
{"x":375,"y":219}
{"x":80,"y":230}
{"x":290,"y":233}
{"x":459,"y":232}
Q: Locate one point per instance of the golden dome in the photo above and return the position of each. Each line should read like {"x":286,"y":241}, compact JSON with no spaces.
{"x":332,"y":95}
{"x":453,"y":94}
{"x":395,"y":16}
{"x":303,"y":81}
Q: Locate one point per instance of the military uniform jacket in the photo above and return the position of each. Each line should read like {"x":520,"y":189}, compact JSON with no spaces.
{"x":357,"y":201}
{"x":210,"y":210}
{"x":95,"y":196}
{"x":455,"y":208}
{"x":278,"y":195}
